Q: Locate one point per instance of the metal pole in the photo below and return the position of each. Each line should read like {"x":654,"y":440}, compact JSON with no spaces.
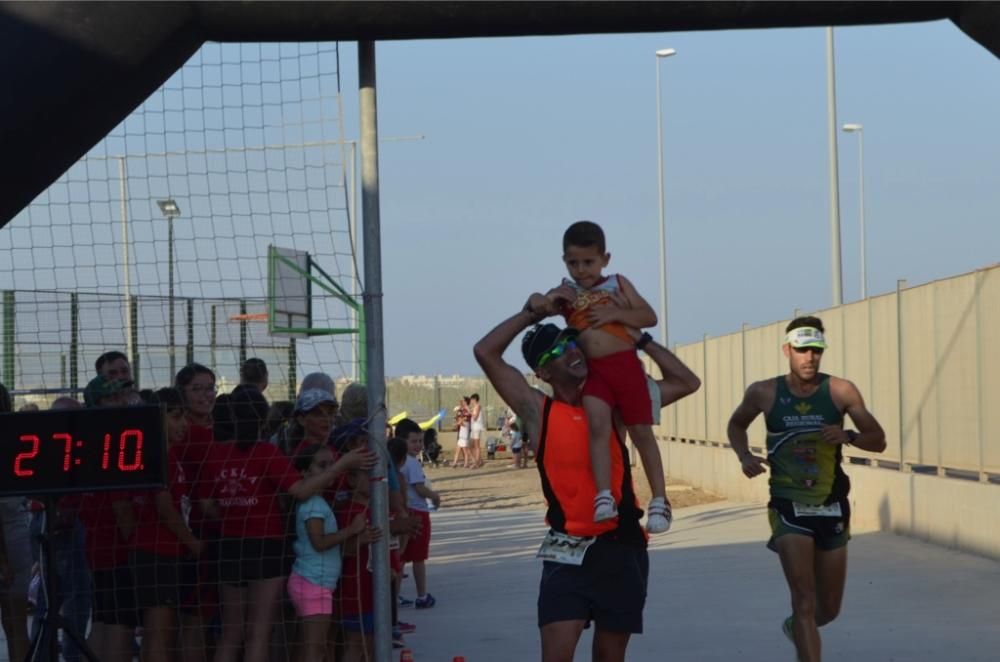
{"x":373,"y":346}
{"x":170,"y":292}
{"x":861,"y":194}
{"x":664,"y":338}
{"x":74,"y":340}
{"x":189,"y":349}
{"x":831,"y":111}
{"x":212,"y":338}
{"x":123,"y":197}
{"x":9,"y":337}
{"x":900,"y":285}
{"x":352,"y":210}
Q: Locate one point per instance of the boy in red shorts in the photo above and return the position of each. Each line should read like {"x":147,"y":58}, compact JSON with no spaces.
{"x":417,"y":493}
{"x":600,"y":308}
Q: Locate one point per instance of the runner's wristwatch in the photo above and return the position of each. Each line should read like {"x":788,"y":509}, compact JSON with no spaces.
{"x":643,"y":341}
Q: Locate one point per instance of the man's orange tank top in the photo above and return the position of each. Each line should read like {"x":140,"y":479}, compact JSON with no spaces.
{"x":563,"y":460}
{"x":576,"y":311}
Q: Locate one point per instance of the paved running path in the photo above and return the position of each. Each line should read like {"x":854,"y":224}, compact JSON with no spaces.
{"x":716,"y":594}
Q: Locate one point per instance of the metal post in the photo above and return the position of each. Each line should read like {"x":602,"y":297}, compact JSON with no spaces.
{"x":664,"y":338}
{"x":437,"y":398}
{"x":374,"y":344}
{"x":74,"y":340}
{"x":190,"y":332}
{"x":900,"y":285}
{"x":170,"y":293}
{"x":243,"y":331}
{"x":676,"y":407}
{"x":981,"y":405}
{"x":62,"y":370}
{"x":8,"y":338}
{"x":705,"y":379}
{"x":123,"y":197}
{"x":861,"y":217}
{"x":831,"y":100}
{"x":212,"y":337}
{"x":293,"y":359}
{"x":133,"y":341}
{"x":352,"y":212}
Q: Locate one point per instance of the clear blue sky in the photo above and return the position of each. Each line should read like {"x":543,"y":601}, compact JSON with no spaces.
{"x":526,"y":135}
{"x":523,"y":137}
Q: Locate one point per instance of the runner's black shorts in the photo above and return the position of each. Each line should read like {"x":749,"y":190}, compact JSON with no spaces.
{"x":829,"y":533}
{"x":608,"y":589}
{"x":243,"y":560}
{"x":114,"y":597}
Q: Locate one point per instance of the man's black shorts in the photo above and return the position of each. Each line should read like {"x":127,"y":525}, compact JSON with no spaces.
{"x":608,"y":589}
{"x":114,"y":597}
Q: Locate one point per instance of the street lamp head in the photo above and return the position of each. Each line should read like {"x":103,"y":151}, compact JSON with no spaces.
{"x":169,"y":208}
{"x":851,"y":128}
{"x":666,"y":52}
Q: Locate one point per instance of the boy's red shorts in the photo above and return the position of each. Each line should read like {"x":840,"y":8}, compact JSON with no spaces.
{"x":418,"y":548}
{"x":619,"y":379}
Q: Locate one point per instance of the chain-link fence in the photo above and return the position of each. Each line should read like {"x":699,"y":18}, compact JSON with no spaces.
{"x":51,"y":340}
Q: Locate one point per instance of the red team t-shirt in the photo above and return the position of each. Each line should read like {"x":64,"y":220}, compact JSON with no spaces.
{"x":246,"y":484}
{"x":353,"y":595}
{"x":151,"y":535}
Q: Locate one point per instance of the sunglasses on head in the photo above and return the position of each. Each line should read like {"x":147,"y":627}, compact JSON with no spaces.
{"x":556,"y":351}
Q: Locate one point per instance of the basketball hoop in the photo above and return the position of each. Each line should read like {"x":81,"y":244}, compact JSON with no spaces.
{"x":249,"y":317}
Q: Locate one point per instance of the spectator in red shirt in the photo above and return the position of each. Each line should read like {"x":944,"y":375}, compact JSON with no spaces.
{"x":196,"y":384}
{"x":240,"y":485}
{"x":353,"y":601}
{"x":109,"y":520}
{"x":164,"y":549}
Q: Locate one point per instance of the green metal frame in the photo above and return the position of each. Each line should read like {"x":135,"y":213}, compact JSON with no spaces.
{"x":330,"y":286}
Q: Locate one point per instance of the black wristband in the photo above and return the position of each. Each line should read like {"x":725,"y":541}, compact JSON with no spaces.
{"x":643,"y":340}
{"x":852,"y":436}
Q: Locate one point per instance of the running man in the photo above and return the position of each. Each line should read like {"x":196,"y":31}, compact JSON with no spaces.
{"x":809,"y":512}
{"x":593,"y":571}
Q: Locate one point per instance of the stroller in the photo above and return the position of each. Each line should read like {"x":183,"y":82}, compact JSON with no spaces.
{"x":432,"y":449}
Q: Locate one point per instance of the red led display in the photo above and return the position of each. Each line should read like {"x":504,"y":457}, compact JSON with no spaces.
{"x":85,"y":450}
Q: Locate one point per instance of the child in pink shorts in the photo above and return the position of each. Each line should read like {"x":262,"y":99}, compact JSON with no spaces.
{"x":317,"y":557}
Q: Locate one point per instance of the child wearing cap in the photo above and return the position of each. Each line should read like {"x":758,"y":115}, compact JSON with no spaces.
{"x":313,"y":418}
{"x":602,"y":308}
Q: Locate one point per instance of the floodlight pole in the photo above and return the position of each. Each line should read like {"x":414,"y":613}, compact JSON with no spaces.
{"x":123,"y":196}
{"x":831,"y":111}
{"x":375,"y":365}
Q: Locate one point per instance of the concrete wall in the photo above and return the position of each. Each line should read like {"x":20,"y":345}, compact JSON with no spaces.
{"x":947,"y":511}
{"x":924,"y":358}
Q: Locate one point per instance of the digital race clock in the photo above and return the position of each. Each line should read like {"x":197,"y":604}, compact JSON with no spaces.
{"x":83,"y":450}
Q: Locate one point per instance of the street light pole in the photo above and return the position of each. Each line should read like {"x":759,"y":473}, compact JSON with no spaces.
{"x":660,"y":54}
{"x":831,"y":110}
{"x":170,"y":210}
{"x":860,"y":130}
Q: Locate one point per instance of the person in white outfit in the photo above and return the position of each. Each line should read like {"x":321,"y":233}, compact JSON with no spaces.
{"x":462,"y":426}
{"x":478,"y":428}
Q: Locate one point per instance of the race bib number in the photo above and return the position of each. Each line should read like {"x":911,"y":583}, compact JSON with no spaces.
{"x":563,"y":548}
{"x":805,"y":510}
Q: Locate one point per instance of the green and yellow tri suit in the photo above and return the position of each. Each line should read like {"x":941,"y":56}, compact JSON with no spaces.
{"x":808,"y":486}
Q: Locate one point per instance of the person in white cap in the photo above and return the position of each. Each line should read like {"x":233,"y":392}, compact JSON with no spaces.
{"x":809,"y":511}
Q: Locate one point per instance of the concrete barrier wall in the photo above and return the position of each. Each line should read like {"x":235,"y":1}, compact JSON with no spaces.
{"x":946,"y":511}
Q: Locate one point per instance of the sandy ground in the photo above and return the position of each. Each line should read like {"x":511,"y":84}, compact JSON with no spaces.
{"x":498,"y":485}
